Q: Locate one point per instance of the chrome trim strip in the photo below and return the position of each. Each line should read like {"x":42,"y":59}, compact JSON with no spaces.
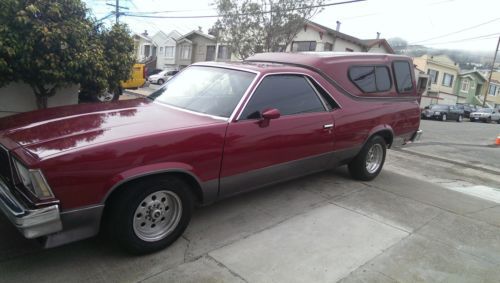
{"x":32,"y":223}
{"x":252,"y":86}
{"x":190,"y":111}
{"x":284,"y":73}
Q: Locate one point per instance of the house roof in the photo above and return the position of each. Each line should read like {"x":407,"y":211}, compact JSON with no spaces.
{"x":366,"y":43}
{"x":468,"y":73}
{"x":142,"y":36}
{"x":211,"y":37}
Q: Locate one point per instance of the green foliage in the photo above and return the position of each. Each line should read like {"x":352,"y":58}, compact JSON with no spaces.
{"x":51,"y":43}
{"x":251,"y":26}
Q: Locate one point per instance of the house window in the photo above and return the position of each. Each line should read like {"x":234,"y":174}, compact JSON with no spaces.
{"x":349,"y":50}
{"x":299,"y":46}
{"x":210,"y":53}
{"x":328,"y":47}
{"x":185,"y":52}
{"x":465,"y":85}
{"x":493,"y":90}
{"x":169,"y":52}
{"x":224,"y":52}
{"x":447,"y":80}
{"x":433,"y":75}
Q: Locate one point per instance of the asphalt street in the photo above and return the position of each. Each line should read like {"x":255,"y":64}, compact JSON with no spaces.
{"x":421,"y":220}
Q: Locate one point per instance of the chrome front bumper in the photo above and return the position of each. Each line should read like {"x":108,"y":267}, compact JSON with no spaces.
{"x":32,"y":223}
{"x":416,"y":136}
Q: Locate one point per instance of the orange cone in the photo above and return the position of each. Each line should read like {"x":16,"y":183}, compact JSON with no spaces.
{"x":497,"y":141}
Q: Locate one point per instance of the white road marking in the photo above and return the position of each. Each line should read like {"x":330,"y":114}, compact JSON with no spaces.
{"x":484,"y":192}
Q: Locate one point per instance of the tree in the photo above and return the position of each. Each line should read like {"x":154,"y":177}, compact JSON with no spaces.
{"x":52,"y":43}
{"x":251,"y":26}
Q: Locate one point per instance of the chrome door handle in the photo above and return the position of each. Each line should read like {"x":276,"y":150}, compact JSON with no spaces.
{"x":328,"y":126}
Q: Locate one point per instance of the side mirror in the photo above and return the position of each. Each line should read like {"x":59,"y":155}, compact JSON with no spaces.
{"x":270,"y":114}
{"x":267,"y":115}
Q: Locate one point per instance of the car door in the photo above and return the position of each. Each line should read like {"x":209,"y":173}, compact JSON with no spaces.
{"x":258,"y":152}
{"x":452,"y":112}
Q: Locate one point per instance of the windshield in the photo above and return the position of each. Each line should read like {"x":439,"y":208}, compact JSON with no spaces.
{"x":208,"y":90}
{"x":439,"y":107}
{"x":485,"y":110}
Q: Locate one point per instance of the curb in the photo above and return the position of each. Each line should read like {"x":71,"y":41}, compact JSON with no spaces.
{"x":460,"y":163}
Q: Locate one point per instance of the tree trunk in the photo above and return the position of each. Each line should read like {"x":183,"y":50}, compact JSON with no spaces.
{"x":41,"y":101}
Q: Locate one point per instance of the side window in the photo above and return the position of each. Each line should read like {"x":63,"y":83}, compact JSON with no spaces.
{"x":370,"y":78}
{"x":290,"y":94}
{"x":402,"y":73}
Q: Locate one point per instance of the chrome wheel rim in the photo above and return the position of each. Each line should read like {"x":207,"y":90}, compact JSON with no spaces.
{"x":157,"y":216}
{"x":444,"y":117}
{"x":460,"y":118}
{"x":105,"y":96}
{"x":374,"y":158}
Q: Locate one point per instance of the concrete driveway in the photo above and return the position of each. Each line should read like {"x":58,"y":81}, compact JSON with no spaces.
{"x":405,"y":226}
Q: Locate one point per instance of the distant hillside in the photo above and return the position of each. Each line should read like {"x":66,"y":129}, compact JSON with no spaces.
{"x":466,"y":59}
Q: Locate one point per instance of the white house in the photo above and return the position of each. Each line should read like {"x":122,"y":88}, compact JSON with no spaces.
{"x":166,"y":47}
{"x":316,"y":37}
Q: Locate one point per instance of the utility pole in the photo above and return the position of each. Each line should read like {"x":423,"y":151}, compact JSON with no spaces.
{"x":491,"y":72}
{"x":117,"y":10}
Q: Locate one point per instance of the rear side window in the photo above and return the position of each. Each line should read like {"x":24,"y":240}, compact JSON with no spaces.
{"x":402,"y":73}
{"x":370,"y":78}
{"x":290,"y":94}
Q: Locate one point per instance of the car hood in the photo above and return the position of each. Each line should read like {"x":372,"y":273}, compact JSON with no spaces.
{"x":47,"y":132}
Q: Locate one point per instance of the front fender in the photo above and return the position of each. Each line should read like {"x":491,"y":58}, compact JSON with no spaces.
{"x":141,"y":171}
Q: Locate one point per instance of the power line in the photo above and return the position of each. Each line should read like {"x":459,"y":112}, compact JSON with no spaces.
{"x":487,"y":36}
{"x":131,"y":14}
{"x":458,"y":31}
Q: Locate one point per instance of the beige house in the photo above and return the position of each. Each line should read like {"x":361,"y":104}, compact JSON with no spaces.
{"x":315,"y":37}
{"x":493,"y":92}
{"x":443,"y":73}
{"x":197,"y":46}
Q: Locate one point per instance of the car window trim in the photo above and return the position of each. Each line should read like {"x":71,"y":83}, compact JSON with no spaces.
{"x":306,"y":76}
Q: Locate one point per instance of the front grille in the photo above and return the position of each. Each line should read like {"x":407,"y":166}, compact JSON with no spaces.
{"x":5,"y":169}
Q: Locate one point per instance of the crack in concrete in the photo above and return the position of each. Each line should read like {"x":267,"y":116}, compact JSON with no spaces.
{"x":220,"y":264}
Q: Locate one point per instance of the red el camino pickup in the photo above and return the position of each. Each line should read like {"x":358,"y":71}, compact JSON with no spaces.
{"x":137,"y":168}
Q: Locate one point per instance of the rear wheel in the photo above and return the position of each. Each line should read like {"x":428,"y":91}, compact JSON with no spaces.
{"x":369,"y":161}
{"x":443,"y":118}
{"x":460,"y":118}
{"x":151,"y":214}
{"x":108,"y":96}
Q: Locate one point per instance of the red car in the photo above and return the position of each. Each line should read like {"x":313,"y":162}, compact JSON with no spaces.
{"x":138,"y":167}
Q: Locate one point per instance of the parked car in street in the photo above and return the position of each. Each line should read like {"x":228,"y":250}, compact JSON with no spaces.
{"x":467,"y":109}
{"x":162,"y":77}
{"x":151,"y":71}
{"x":485,"y":115}
{"x":443,"y":112}
{"x":137,"y":168}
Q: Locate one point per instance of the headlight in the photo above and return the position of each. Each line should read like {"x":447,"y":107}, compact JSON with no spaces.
{"x":34,"y":181}
{"x":437,"y":113}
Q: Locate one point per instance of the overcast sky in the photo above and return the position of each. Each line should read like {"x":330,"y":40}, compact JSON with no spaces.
{"x":426,"y":22}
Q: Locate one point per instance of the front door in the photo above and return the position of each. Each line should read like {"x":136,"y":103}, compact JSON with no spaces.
{"x":259,"y":152}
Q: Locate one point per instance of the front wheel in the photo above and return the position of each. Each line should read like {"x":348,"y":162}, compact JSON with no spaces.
{"x":460,"y":118}
{"x":443,"y":118}
{"x":151,"y":214}
{"x":369,"y":161}
{"x":160,"y":81}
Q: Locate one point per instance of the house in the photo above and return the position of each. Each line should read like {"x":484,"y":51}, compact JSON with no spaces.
{"x":144,"y":47}
{"x":493,"y":94}
{"x":316,"y":37}
{"x":469,"y":87}
{"x":443,"y":73}
{"x":167,"y":49}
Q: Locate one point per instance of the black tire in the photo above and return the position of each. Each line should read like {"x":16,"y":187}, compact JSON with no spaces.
{"x":444,"y":117}
{"x":121,"y":213}
{"x":160,"y":81}
{"x":460,"y":118}
{"x":357,"y":167}
{"x":115,"y":97}
{"x":488,"y":120}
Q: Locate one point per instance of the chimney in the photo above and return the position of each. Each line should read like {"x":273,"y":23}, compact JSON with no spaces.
{"x":200,"y":29}
{"x":145,"y":33}
{"x":378,"y":35}
{"x":338,"y":26}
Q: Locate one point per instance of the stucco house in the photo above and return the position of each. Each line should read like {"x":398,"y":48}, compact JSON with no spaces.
{"x":167,"y":49}
{"x":493,"y":94}
{"x":316,"y":37}
{"x":443,"y":73}
{"x":469,"y":87}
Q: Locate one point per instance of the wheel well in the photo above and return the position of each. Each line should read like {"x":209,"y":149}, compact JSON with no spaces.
{"x":190,"y":180}
{"x":386,"y":135}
